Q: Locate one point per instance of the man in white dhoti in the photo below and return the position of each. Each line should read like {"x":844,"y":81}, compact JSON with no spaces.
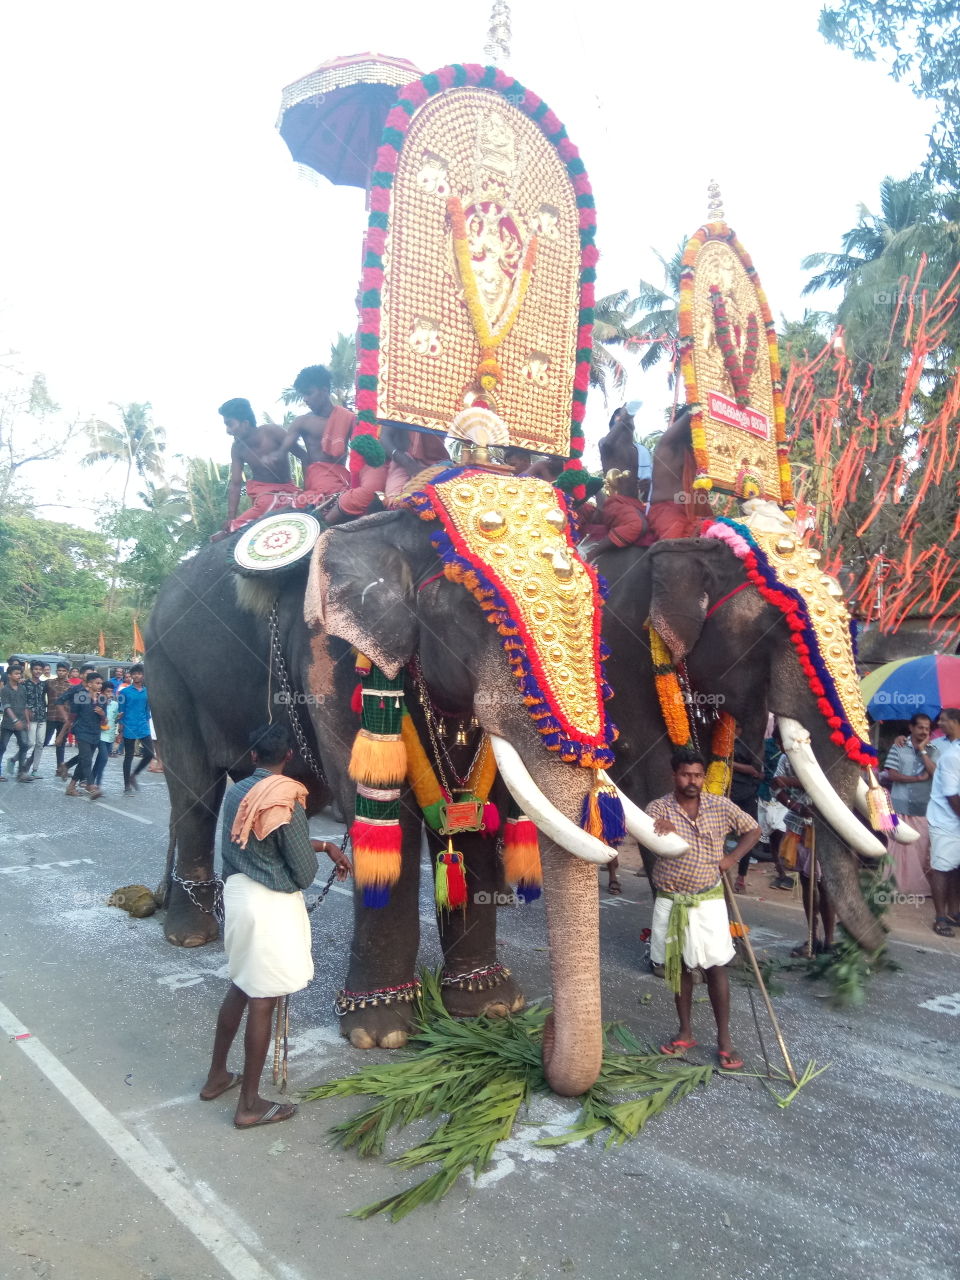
{"x":690,"y":927}
{"x":268,"y":859}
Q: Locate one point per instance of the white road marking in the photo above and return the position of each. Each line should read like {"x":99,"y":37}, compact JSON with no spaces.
{"x":176,"y":1195}
{"x":944,"y":1004}
{"x":46,"y":866}
{"x":124,"y":813}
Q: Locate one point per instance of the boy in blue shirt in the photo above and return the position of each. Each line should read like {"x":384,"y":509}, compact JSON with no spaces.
{"x":134,"y":720}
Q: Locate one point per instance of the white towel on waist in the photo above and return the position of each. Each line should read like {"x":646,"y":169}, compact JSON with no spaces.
{"x":266,"y":936}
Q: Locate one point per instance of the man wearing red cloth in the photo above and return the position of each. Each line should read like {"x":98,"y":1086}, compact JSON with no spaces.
{"x":265,"y":452}
{"x":325,"y":432}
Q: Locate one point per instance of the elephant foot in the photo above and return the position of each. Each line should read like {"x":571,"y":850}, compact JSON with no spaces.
{"x":379,"y":1019}
{"x":186,"y":924}
{"x":487,"y":992}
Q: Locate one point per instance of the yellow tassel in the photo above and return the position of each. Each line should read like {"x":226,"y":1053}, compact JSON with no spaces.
{"x":378,"y":759}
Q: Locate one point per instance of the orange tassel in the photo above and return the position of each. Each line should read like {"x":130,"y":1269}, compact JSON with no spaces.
{"x":378,"y":759}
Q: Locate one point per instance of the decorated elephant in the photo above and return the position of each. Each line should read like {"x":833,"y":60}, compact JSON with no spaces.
{"x":378,"y":586}
{"x":745,"y":649}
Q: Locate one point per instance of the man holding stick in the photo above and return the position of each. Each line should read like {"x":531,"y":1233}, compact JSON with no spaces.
{"x":691,"y":928}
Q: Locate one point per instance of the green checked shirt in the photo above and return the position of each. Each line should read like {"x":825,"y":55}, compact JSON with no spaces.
{"x":284,"y":862}
{"x":699,"y":869}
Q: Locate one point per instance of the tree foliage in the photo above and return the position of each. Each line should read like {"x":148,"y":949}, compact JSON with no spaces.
{"x":919,"y":41}
{"x":32,"y":431}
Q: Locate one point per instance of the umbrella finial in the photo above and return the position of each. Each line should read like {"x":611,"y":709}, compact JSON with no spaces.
{"x":497,"y":46}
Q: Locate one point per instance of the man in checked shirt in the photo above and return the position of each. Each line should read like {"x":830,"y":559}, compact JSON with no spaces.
{"x":691,"y":928}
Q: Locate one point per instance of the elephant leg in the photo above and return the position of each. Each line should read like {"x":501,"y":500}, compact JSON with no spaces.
{"x":195,"y":808}
{"x":383,"y":956}
{"x":474,"y":982}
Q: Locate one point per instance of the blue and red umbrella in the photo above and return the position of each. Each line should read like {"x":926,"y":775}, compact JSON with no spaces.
{"x":898,"y":689}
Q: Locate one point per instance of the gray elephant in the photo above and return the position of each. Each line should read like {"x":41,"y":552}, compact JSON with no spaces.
{"x":383,"y":591}
{"x":736,"y":647}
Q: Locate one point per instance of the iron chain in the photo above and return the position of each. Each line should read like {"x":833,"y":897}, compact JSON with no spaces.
{"x":286,"y":694}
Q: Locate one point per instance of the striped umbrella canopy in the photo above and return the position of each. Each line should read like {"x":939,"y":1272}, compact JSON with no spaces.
{"x":332,"y":118}
{"x":898,"y":689}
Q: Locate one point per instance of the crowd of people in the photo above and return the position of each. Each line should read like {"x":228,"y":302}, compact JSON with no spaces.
{"x":75,"y":709}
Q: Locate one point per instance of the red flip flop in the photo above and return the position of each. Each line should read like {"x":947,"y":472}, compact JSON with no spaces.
{"x":677,"y":1048}
{"x":729,"y":1060}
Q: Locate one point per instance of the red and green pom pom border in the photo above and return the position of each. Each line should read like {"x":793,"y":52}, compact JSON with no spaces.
{"x":720,"y":231}
{"x":521,"y":649}
{"x":409,"y":100}
{"x":804,"y":639}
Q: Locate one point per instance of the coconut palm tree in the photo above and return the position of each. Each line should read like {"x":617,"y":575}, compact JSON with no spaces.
{"x":657,"y":329}
{"x":611,"y":329}
{"x":137,"y":444}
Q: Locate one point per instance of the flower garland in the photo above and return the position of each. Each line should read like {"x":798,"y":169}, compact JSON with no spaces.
{"x":673,"y":706}
{"x":675,"y":711}
{"x":739,"y":375}
{"x":703,"y":480}
{"x":432,"y":797}
{"x":409,"y":100}
{"x":802,"y":635}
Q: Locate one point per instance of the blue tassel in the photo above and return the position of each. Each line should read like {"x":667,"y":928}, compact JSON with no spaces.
{"x":527,"y":892}
{"x":611,"y":815}
{"x":376,"y":895}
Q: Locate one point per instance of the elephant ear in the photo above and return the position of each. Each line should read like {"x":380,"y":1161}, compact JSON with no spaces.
{"x":684,"y":581}
{"x":361,"y":588}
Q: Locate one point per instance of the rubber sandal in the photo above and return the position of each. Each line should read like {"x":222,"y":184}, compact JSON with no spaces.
{"x":802,"y":951}
{"x":677,"y":1048}
{"x":271,"y":1116}
{"x":941,"y":927}
{"x":614,"y":888}
{"x":212,"y":1097}
{"x":729,"y":1060}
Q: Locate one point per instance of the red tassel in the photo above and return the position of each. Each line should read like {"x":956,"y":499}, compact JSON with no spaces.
{"x":491,"y":819}
{"x":356,"y":700}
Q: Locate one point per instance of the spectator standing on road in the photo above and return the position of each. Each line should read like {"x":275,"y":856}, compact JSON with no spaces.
{"x":910,"y":768}
{"x":36,"y":689}
{"x":85,"y":719}
{"x":268,"y":859}
{"x":108,"y":734}
{"x":134,"y":721}
{"x":14,"y":701}
{"x":691,"y":928}
{"x":943,"y":815}
{"x":57,"y":713}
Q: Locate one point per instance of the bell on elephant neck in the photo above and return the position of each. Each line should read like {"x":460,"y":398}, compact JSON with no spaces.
{"x":461,"y":739}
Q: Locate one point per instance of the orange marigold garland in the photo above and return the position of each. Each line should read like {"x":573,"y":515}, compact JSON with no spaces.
{"x":673,"y":706}
{"x":720,"y":770}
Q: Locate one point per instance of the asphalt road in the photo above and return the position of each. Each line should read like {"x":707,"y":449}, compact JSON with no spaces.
{"x":114,"y":1170}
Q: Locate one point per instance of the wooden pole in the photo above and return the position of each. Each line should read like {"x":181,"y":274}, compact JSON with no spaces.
{"x":734,"y":909}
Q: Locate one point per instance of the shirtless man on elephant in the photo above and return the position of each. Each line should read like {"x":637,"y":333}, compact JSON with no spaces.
{"x":265,"y":452}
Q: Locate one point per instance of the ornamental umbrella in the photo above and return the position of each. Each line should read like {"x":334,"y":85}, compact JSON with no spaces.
{"x":898,"y":689}
{"x":332,"y":118}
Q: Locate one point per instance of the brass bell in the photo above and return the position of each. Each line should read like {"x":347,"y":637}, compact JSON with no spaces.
{"x":461,"y":739}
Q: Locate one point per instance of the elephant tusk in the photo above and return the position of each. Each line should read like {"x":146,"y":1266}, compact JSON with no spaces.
{"x":640,"y":826}
{"x":554,"y":825}
{"x":796,"y":743}
{"x":902,"y":833}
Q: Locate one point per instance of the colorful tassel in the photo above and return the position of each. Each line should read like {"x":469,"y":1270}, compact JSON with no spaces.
{"x":450,"y":887}
{"x":378,"y":758}
{"x":356,"y":700}
{"x":879,"y":808}
{"x":491,"y":819}
{"x":521,"y":858}
{"x":602,"y":813}
{"x":376,"y":858}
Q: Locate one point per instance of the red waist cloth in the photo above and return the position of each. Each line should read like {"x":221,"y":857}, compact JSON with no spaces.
{"x":267,"y":496}
{"x":672,"y":520}
{"x":625,"y":520}
{"x":370,"y":482}
{"x":321,"y":480}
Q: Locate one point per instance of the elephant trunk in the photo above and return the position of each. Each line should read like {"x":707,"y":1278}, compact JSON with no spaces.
{"x":842,"y":879}
{"x":573,"y":1038}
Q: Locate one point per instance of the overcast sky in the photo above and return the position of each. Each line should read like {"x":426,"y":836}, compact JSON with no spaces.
{"x":159,"y":244}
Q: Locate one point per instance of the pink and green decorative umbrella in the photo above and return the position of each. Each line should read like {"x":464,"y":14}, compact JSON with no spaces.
{"x":332,"y":118}
{"x":898,"y":689}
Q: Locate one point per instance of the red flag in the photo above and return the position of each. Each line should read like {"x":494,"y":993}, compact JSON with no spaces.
{"x":102,"y":646}
{"x":138,"y":645}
